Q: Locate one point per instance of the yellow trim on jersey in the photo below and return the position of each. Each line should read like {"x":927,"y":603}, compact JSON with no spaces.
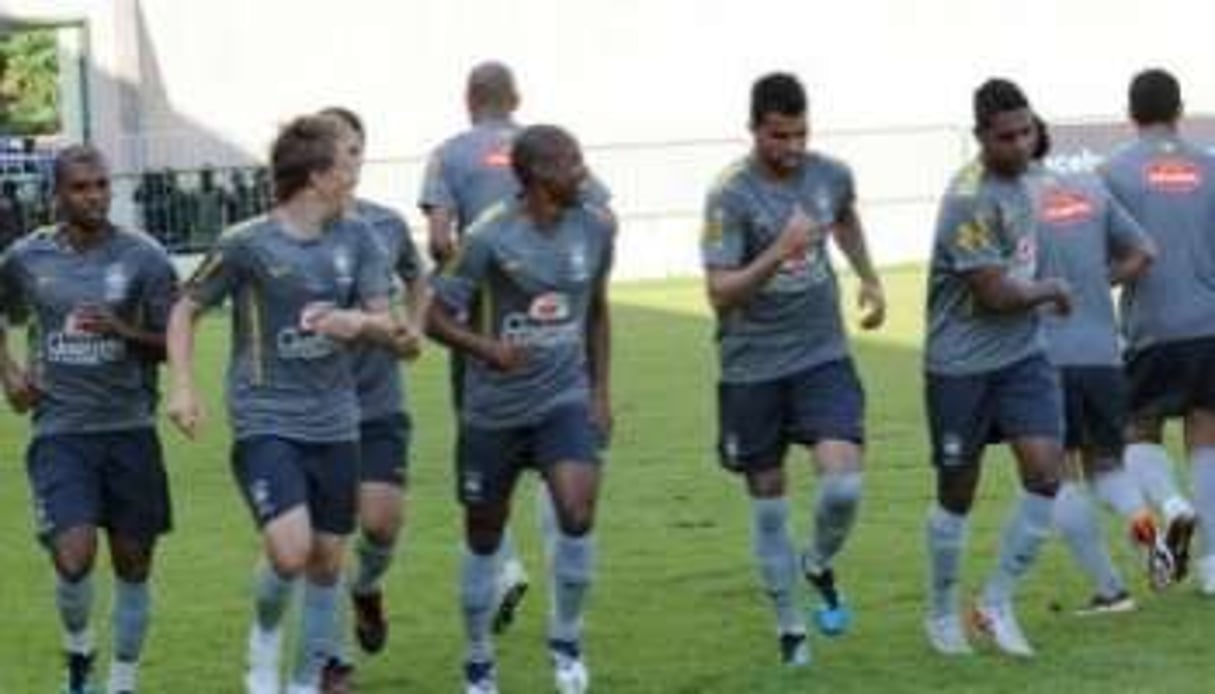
{"x":254,"y":310}
{"x":973,"y":235}
{"x":967,"y":180}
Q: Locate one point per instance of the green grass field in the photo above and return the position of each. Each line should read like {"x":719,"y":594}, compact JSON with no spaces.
{"x":676,"y":607}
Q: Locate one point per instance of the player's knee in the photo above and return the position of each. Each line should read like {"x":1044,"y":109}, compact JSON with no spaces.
{"x":288,"y":562}
{"x":956,"y":488}
{"x":1044,"y":482}
{"x":576,"y":521}
{"x":1144,"y":429}
{"x":840,"y":492}
{"x":73,"y":567}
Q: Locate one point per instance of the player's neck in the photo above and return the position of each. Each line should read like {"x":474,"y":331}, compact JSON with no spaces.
{"x":302,"y":217}
{"x":80,"y":238}
{"x":543,"y":211}
{"x":1158,"y":129}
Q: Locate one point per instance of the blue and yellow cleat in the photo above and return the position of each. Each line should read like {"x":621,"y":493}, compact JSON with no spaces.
{"x":833,"y":620}
{"x":832,"y":617}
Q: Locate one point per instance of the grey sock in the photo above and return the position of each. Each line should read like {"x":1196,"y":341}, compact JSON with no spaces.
{"x":373,"y":561}
{"x":546,"y":517}
{"x":506,"y":548}
{"x":129,"y":619}
{"x":573,"y":571}
{"x":75,"y":602}
{"x":1023,"y":535}
{"x":272,"y":594}
{"x":1202,"y":475}
{"x":946,"y":538}
{"x":1117,"y":488}
{"x":1152,"y":468}
{"x":839,"y":496}
{"x":776,"y":560}
{"x":1076,"y":518}
{"x":318,"y":628}
{"x":477,"y":601}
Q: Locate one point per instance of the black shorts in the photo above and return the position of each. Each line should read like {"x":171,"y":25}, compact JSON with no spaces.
{"x":1172,"y":378}
{"x":114,"y":480}
{"x":489,"y":460}
{"x":967,"y":412}
{"x":758,"y":421}
{"x":276,"y":474}
{"x":1094,"y":408}
{"x":384,"y":449}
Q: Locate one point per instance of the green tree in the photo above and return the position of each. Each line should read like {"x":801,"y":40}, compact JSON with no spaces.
{"x":29,"y":83}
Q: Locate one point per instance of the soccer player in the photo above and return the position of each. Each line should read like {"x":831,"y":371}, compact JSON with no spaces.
{"x":304,"y":281}
{"x":535,"y":386}
{"x":465,"y":176}
{"x":786,"y":374}
{"x":1088,"y":240}
{"x":99,"y":298}
{"x":987,"y":372}
{"x":1168,"y":185}
{"x":385,"y":426}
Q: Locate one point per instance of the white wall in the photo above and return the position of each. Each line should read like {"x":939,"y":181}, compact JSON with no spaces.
{"x":218,"y":76}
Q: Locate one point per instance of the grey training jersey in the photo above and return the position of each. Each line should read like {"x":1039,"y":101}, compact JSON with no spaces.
{"x":1168,"y":186}
{"x":283,"y":378}
{"x":984,"y":221}
{"x":377,"y":370}
{"x":89,"y":382}
{"x":793,"y":322}
{"x":471,"y":171}
{"x":1081,"y":231}
{"x":531,"y":287}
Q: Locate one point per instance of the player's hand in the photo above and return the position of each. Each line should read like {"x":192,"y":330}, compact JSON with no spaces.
{"x":798,"y":234}
{"x":324,"y":318}
{"x":506,"y":357}
{"x":100,"y":319}
{"x":872,"y":302}
{"x":184,"y":411}
{"x":407,"y":342}
{"x":20,"y":389}
{"x":442,"y":245}
{"x":601,"y":415}
{"x":1058,"y":295}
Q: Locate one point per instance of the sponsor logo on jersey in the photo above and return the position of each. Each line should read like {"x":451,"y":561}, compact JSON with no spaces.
{"x":550,"y":307}
{"x":1061,"y":206}
{"x":1173,"y":175}
{"x":497,"y":158}
{"x":116,"y":282}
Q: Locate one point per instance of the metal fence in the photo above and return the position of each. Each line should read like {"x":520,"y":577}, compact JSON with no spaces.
{"x":658,"y":192}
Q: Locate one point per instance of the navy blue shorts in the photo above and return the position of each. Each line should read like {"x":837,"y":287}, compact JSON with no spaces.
{"x":1094,"y":408}
{"x":384,"y":449}
{"x":114,"y":480}
{"x":965,"y":413}
{"x":488,"y":461}
{"x":758,"y":421}
{"x":277,"y":474}
{"x":1171,"y":379}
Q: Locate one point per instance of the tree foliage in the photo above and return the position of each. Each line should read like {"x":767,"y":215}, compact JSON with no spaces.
{"x":29,"y":83}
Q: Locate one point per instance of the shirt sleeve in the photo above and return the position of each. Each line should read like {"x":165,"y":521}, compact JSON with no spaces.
{"x":372,"y":279}
{"x":217,"y":275}
{"x":1121,"y":229}
{"x":968,"y":233}
{"x":12,"y":302}
{"x":437,"y":190}
{"x":723,"y":236}
{"x":457,"y":285}
{"x":158,"y":291}
{"x":408,"y":266}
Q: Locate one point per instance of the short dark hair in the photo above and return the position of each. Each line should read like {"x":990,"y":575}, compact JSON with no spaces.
{"x":306,"y":145}
{"x":1042,"y":147}
{"x":535,"y":149}
{"x":777,"y":92}
{"x":491,"y":85}
{"x":347,"y":117}
{"x":996,"y":95}
{"x":1154,"y":97}
{"x":74,"y":155}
